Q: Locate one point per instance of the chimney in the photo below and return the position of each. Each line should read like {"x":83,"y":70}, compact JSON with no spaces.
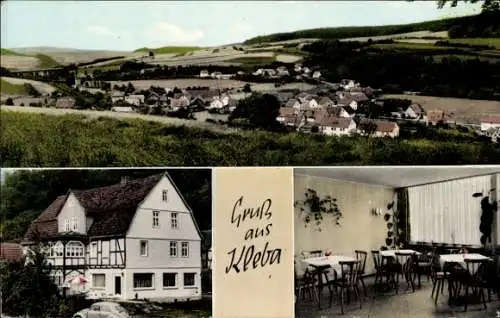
{"x":124,"y":180}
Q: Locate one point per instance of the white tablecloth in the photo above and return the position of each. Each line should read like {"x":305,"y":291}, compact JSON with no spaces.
{"x":392,"y":253}
{"x":460,"y":258}
{"x":332,"y":261}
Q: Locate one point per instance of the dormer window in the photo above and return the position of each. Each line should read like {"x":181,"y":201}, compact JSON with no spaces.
{"x":164,"y":195}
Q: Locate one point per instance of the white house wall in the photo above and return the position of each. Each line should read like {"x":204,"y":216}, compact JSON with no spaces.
{"x":446,"y":212}
{"x":142,"y":224}
{"x":158,"y":291}
{"x":159,"y":254}
{"x":359,"y":229}
{"x":72,"y":209}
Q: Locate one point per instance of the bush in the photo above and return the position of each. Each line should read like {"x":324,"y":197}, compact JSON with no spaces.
{"x":9,"y":102}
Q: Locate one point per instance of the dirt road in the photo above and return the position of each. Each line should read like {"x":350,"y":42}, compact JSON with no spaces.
{"x":94,"y":114}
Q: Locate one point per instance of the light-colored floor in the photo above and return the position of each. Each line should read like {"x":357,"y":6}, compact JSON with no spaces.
{"x":405,"y":304}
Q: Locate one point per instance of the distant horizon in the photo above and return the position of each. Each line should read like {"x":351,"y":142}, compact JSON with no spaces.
{"x":106,"y":25}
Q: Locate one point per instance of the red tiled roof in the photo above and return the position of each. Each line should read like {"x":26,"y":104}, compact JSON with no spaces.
{"x":382,"y":125}
{"x":286,"y":111}
{"x":66,"y":102}
{"x":11,"y":252}
{"x":112,"y":208}
{"x":491,"y":119}
{"x":336,"y":122}
{"x":417,"y":108}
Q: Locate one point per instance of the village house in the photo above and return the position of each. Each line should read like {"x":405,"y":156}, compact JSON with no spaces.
{"x":217,"y":75}
{"x":293,"y":103}
{"x":383,"y":128}
{"x":29,"y":101}
{"x":489,"y":122}
{"x":156,"y":99}
{"x":352,"y":100}
{"x":136,"y":100}
{"x":219,"y":101}
{"x":348,"y":84}
{"x":297,"y":68}
{"x":333,"y":126}
{"x":179,"y":101}
{"x":117,"y":96}
{"x":204,"y":74}
{"x":316,"y":75}
{"x":132,"y":240}
{"x":11,"y":252}
{"x":415,"y":111}
{"x":65,"y":102}
{"x":435,"y":116}
{"x":326,"y":102}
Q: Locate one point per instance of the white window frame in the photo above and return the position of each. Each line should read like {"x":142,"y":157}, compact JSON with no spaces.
{"x":175,"y":280}
{"x":75,"y":249}
{"x":94,"y":286}
{"x":185,"y":248}
{"x":156,"y":219}
{"x":143,"y":287}
{"x":174,"y":220}
{"x":184,"y":280}
{"x":164,"y":195}
{"x":93,"y":249}
{"x":173,"y":247}
{"x":67,"y":225}
{"x":146,"y":248}
{"x":58,"y":249}
{"x":74,"y":224}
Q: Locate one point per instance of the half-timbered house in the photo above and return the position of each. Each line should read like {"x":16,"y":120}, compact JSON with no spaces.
{"x":135,"y":239}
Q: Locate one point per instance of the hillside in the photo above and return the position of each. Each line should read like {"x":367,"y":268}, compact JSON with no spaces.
{"x":457,"y":27}
{"x":170,"y":49}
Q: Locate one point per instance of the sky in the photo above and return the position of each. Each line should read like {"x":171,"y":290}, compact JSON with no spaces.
{"x":128,"y":25}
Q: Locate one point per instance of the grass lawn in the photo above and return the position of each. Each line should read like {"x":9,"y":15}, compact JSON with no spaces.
{"x":11,"y":89}
{"x":170,"y":49}
{"x":478,"y":41}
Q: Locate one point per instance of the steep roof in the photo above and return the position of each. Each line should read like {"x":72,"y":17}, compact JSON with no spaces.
{"x":112,"y":207}
{"x":336,"y":122}
{"x":491,"y":119}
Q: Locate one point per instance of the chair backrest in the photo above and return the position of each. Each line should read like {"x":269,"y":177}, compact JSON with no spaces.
{"x":405,"y":259}
{"x":361,"y":257}
{"x":313,"y":253}
{"x":475,"y":266}
{"x":349,"y":270}
{"x":376,"y":259}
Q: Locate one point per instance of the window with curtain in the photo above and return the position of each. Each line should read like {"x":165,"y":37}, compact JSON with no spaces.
{"x":99,"y":280}
{"x":446,"y":212}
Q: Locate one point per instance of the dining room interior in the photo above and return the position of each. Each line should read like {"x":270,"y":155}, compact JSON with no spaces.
{"x":416,"y":241}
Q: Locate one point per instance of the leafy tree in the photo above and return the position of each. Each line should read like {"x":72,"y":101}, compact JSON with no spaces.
{"x":247,"y":88}
{"x":9,"y":102}
{"x":260,"y":110}
{"x":27,"y":288}
{"x":368,"y":127}
{"x":488,"y":5}
{"x":30,"y":90}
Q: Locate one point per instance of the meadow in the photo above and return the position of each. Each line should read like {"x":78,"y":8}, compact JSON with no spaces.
{"x":34,"y":140}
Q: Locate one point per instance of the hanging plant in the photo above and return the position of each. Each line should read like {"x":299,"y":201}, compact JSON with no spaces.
{"x":389,"y":234}
{"x":387,"y":217}
{"x":314,"y":208}
{"x":389,"y":225}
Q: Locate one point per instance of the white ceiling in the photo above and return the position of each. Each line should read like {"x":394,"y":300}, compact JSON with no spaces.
{"x":397,"y":177}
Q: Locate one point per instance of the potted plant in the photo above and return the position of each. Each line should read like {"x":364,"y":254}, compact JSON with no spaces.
{"x":313,"y":208}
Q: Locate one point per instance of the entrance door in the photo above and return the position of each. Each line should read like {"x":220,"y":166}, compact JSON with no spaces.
{"x":118,"y":285}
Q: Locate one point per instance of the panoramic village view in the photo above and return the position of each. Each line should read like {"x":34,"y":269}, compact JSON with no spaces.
{"x":426,"y":92}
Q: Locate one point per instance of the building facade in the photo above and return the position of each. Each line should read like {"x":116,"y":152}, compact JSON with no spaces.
{"x":134,"y":240}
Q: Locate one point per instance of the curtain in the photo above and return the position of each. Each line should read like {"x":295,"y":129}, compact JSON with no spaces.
{"x":446,"y":212}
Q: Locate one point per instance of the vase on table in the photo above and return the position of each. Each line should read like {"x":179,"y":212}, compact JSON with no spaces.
{"x":328,"y":252}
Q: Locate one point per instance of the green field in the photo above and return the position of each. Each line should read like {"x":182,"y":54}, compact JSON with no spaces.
{"x":10,"y":52}
{"x":11,"y":89}
{"x":34,"y":140}
{"x":170,"y":49}
{"x":253,"y":60}
{"x":46,"y":61}
{"x":478,"y":41}
{"x":410,"y":46}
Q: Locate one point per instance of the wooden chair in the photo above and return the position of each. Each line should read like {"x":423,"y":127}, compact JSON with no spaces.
{"x":381,"y":269}
{"x":347,"y":282}
{"x":404,"y":269}
{"x":423,"y":266}
{"x":304,"y":283}
{"x":474,"y":280}
{"x":361,"y":257}
{"x":320,"y":275}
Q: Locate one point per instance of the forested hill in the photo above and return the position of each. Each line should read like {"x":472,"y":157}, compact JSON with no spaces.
{"x":26,"y":194}
{"x":486,"y":24}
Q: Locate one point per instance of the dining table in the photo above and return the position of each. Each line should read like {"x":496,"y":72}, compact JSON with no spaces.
{"x":458,"y":259}
{"x":323,"y":263}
